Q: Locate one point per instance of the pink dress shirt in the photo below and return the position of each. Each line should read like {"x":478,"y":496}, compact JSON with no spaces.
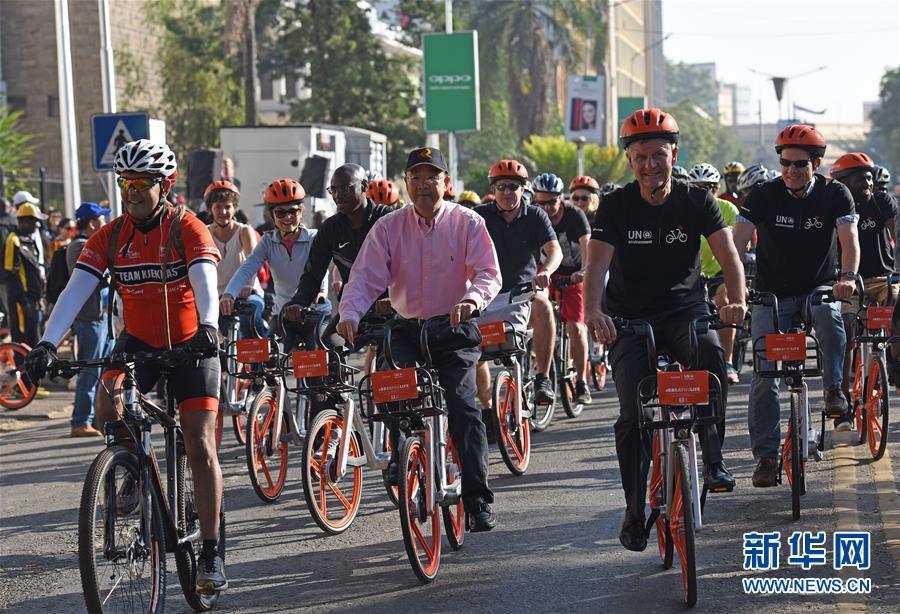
{"x":426,"y":269}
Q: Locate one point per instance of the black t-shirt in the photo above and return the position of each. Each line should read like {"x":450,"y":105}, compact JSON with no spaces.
{"x":876,"y":256}
{"x":656,"y":265}
{"x":571,"y":227}
{"x":796,"y":237}
{"x":518,"y":243}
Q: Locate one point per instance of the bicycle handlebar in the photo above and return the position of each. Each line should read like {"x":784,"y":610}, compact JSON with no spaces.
{"x":166,"y":358}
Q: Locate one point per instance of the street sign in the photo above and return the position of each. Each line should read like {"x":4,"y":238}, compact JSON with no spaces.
{"x":109,"y":131}
{"x":451,"y":82}
{"x":586,"y":109}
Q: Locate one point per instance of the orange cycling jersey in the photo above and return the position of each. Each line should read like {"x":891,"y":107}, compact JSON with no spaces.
{"x":138,"y":269}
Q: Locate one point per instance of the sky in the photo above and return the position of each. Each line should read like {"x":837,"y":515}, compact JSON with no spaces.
{"x":855,"y":39}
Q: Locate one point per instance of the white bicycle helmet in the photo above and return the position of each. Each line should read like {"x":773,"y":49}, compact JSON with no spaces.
{"x":772,"y":174}
{"x":145,"y":156}
{"x":608,"y":187}
{"x":679,"y":172}
{"x":548,"y":182}
{"x":882,"y":175}
{"x":704,"y":173}
{"x":755,"y":173}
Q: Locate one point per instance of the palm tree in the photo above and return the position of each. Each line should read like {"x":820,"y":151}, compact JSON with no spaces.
{"x":240,"y":29}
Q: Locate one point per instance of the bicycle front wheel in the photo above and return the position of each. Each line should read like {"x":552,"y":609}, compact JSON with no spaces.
{"x":267,"y":455}
{"x":513,"y":437}
{"x":567,"y":392}
{"x":682,"y":524}
{"x":421,"y":526}
{"x":333,"y":501}
{"x":793,"y":458}
{"x":454,"y":514}
{"x":877,"y":408}
{"x":14,"y":392}
{"x":856,"y":396}
{"x":119,"y":572}
{"x":657,"y":496}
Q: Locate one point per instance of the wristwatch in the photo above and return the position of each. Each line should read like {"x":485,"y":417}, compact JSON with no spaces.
{"x":848,"y":275}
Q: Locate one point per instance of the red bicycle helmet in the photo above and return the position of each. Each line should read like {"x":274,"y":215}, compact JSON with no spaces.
{"x":508,"y":169}
{"x":220,"y":185}
{"x":450,"y":193}
{"x":801,"y":136}
{"x":282,"y":191}
{"x":648,"y":124}
{"x":488,"y":198}
{"x":383,"y":192}
{"x":585,"y":183}
{"x":851,"y":162}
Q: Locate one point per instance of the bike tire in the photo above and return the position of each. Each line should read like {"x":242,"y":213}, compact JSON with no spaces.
{"x":542,"y":414}
{"x":599,"y":372}
{"x":796,"y":460}
{"x":346,"y":493}
{"x":239,"y":425}
{"x":14,"y":392}
{"x":421,"y":529}
{"x":682,"y":525}
{"x":877,"y":409}
{"x":514,"y":440}
{"x":455,"y":513}
{"x":267,"y":460}
{"x":656,"y":494}
{"x":856,"y":396}
{"x":189,"y":522}
{"x":107,"y":589}
{"x":567,"y":394}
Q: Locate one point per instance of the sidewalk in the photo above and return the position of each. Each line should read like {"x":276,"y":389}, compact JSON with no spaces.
{"x":40,"y":412}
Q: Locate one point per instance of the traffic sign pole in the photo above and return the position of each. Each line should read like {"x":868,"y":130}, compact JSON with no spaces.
{"x":71,"y":176}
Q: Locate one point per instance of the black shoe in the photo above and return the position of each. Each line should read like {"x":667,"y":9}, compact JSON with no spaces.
{"x":766,"y":473}
{"x":481,"y":518}
{"x":716,"y":478}
{"x":391,"y":475}
{"x":836,"y":405}
{"x":633,"y":534}
{"x":582,"y":394}
{"x":543,"y":390}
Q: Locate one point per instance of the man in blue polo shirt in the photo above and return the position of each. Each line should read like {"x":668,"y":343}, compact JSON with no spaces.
{"x":520,"y":233}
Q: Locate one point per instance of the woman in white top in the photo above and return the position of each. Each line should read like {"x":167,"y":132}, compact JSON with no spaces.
{"x":235,"y":241}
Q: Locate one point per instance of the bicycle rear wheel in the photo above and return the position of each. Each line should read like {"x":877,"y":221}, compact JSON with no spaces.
{"x":856,"y":395}
{"x":242,"y":394}
{"x":332,"y":503}
{"x":189,"y":526}
{"x":682,"y":524}
{"x":793,"y":458}
{"x":267,"y":457}
{"x":421,"y":527}
{"x":454,"y":514}
{"x":599,"y":371}
{"x":118,"y":572}
{"x":513,"y":438}
{"x":877,"y":408}
{"x":657,"y":498}
{"x":14,"y":392}
{"x":542,"y":415}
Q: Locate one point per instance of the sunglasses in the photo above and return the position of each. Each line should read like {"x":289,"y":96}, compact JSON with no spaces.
{"x":507,"y":187}
{"x":280,"y":213}
{"x":580,"y":198}
{"x":545,"y":203}
{"x":336,"y":189}
{"x":795,"y":163}
{"x":141,"y":184}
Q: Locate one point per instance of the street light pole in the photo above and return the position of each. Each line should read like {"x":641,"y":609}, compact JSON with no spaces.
{"x":451,"y":137}
{"x":108,"y":72}
{"x":71,"y":175}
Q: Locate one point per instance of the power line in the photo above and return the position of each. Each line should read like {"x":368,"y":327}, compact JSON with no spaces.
{"x":762,"y":35}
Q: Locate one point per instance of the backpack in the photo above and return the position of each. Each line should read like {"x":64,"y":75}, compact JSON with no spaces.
{"x":176,"y":241}
{"x":58,"y":275}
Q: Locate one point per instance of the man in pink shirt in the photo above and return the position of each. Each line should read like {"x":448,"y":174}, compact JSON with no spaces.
{"x":435,"y":258}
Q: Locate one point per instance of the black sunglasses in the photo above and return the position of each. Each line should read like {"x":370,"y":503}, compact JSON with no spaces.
{"x":584,"y":198}
{"x":280,"y":213}
{"x":545,"y":203}
{"x":795,"y":163}
{"x":503,"y":187}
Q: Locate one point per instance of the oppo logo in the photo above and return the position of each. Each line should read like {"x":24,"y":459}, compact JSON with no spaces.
{"x":449,"y":79}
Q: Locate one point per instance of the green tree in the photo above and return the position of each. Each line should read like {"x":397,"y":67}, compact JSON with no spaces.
{"x":202,"y":82}
{"x":352,"y":81}
{"x":16,"y":149}
{"x":240,"y":32}
{"x":886,"y":123}
{"x":704,"y":139}
{"x":553,"y":154}
{"x":479,"y":150}
{"x":687,"y":82}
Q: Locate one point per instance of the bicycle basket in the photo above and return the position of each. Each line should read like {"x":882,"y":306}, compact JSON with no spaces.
{"x":787,"y":354}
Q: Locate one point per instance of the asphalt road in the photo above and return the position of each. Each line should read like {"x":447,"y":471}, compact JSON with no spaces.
{"x":555,"y":550}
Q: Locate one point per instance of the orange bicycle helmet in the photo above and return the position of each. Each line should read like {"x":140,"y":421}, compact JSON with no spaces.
{"x":222,"y":184}
{"x":508,"y":169}
{"x":851,"y":162}
{"x":283,"y":191}
{"x":383,"y":192}
{"x":488,"y":198}
{"x":585,"y":183}
{"x":450,"y":192}
{"x":648,"y":124}
{"x":801,"y":136}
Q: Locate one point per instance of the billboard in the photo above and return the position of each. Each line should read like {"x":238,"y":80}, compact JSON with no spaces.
{"x":451,"y":82}
{"x":586,"y":109}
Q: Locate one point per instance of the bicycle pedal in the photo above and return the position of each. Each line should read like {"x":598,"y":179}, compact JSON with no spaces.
{"x":721,"y":489}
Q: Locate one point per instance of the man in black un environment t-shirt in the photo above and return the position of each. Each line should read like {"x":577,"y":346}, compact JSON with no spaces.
{"x":647,"y":235}
{"x":798,"y":219}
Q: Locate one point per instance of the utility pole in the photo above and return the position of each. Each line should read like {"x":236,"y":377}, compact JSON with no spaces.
{"x":108,"y":72}
{"x":613,"y":112}
{"x":451,"y":137}
{"x":71,"y":175}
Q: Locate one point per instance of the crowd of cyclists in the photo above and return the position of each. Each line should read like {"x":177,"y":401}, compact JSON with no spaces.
{"x":669,"y":247}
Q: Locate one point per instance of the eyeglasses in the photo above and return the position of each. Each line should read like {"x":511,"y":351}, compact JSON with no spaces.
{"x":280,"y":213}
{"x":577,"y":199}
{"x":335,"y":189}
{"x":504,"y":187}
{"x":141,"y":184}
{"x":427,"y":180}
{"x":795,"y":163}
{"x":545,"y":203}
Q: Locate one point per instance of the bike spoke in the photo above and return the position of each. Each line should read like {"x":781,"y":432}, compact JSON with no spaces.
{"x":340,"y":495}
{"x":429,"y":554}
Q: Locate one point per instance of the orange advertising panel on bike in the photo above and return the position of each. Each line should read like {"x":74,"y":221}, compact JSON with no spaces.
{"x":683,"y":387}
{"x":787,"y":346}
{"x":879,"y":317}
{"x":394,"y":385}
{"x":492,"y":333}
{"x":313,"y":363}
{"x":253,"y":350}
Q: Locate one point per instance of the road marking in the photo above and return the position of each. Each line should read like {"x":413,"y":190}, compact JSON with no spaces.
{"x":888,"y":505}
{"x":846,"y":503}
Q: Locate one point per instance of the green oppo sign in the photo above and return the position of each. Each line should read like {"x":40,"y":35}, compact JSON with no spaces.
{"x":451,"y":82}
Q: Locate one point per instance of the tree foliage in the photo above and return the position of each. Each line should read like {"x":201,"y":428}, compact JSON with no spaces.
{"x":704,"y":139}
{"x":688,"y":82}
{"x":886,"y":121}
{"x":16,"y":149}
{"x":553,"y":154}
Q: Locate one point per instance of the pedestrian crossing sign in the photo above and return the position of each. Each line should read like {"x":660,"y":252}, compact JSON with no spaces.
{"x":109,"y":131}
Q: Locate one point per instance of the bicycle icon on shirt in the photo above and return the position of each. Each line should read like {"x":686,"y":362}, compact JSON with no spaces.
{"x":676,"y":234}
{"x":813,"y":223}
{"x":867,"y":224}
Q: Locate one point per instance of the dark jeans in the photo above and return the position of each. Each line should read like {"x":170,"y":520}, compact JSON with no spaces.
{"x":93,"y":343}
{"x":630,"y":365}
{"x":23,"y":327}
{"x":456,"y":375}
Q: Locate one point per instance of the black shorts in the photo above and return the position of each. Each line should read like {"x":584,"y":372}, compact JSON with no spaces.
{"x":196,"y":385}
